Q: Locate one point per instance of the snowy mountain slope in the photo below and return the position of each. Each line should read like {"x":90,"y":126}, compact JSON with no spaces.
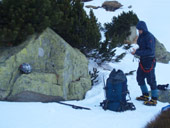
{"x":53,"y":115}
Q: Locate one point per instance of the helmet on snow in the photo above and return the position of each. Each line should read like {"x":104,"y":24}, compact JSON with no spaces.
{"x":25,"y":68}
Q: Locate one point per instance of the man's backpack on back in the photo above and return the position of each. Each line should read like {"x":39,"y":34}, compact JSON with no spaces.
{"x":116,"y":92}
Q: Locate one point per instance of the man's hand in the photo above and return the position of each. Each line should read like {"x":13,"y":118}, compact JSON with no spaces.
{"x":133,"y":51}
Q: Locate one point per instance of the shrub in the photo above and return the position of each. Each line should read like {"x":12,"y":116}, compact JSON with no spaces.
{"x":94,"y":75}
{"x":161,"y":121}
{"x":119,"y":29}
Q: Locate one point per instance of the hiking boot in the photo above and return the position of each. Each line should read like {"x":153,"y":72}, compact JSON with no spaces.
{"x":143,"y":98}
{"x":151,"y":102}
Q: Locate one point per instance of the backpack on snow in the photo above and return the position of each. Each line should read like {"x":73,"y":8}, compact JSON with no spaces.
{"x":116,"y":92}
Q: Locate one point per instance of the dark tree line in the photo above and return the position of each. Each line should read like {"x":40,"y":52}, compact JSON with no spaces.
{"x":21,"y":18}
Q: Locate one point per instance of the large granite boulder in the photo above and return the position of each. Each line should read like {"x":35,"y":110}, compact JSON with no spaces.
{"x":59,"y":72}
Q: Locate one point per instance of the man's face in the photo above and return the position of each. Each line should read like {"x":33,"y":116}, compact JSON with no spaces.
{"x":140,"y":31}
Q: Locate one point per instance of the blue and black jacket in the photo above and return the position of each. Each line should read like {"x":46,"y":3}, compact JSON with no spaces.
{"x":146,"y":42}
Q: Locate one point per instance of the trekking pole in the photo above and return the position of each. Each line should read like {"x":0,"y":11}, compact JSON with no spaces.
{"x":128,"y":95}
{"x":73,"y":106}
{"x":104,"y":87}
{"x":105,"y":101}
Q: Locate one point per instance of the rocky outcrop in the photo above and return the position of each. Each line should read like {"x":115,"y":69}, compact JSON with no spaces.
{"x":107,"y":5}
{"x":162,"y":55}
{"x":111,"y":5}
{"x":92,"y":7}
{"x":132,"y":37}
{"x":59,"y":72}
{"x":86,"y":0}
{"x":164,"y":96}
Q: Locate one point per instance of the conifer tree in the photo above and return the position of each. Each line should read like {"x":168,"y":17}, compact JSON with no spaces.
{"x":93,"y":31}
{"x":79,"y":24}
{"x":62,"y":23}
{"x":119,"y":29}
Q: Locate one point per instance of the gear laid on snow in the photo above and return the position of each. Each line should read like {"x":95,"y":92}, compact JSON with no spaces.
{"x":25,"y":68}
{"x":165,"y":108}
{"x":163,"y":87}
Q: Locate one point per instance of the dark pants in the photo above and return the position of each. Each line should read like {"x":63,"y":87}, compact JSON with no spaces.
{"x":147,"y":63}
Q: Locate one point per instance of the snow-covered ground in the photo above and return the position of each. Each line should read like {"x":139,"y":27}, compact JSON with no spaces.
{"x":53,"y":115}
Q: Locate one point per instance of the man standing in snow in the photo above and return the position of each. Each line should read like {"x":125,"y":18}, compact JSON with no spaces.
{"x":146,"y":69}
